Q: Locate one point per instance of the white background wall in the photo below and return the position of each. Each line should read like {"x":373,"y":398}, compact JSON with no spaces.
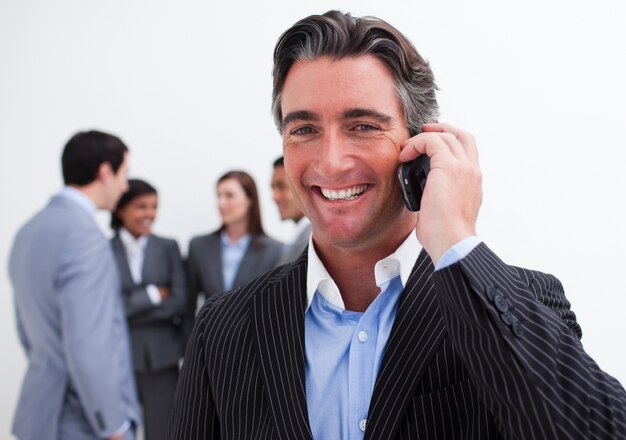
{"x":187,"y":86}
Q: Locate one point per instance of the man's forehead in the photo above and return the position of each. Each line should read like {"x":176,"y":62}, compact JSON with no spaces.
{"x":344,"y":88}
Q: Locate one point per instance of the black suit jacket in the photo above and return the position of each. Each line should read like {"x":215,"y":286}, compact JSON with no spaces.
{"x":478,"y":350}
{"x":157,"y":336}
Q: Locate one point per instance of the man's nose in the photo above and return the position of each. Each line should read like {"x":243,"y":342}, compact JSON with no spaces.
{"x":336,"y":154}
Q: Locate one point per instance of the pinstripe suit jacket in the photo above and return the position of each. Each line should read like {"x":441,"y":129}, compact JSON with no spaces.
{"x":478,"y":350}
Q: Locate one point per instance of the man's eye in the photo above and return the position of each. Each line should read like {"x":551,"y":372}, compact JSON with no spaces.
{"x":302,"y":131}
{"x":365,"y":127}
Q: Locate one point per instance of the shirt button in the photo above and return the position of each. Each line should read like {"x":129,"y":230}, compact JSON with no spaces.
{"x":362,"y":425}
{"x":362,"y":336}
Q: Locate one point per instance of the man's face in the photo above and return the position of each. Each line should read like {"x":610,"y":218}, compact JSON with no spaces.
{"x":283,"y":196}
{"x":115,"y":185}
{"x":342,"y":129}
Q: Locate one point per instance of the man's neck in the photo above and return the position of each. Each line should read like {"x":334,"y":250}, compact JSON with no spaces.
{"x":352,"y":268}
{"x":235,"y":231}
{"x":90,"y":191}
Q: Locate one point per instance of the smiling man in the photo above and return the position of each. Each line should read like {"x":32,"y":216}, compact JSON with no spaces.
{"x":392,"y":324}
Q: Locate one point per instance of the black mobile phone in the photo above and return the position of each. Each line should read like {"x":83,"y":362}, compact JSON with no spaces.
{"x":412,"y":176}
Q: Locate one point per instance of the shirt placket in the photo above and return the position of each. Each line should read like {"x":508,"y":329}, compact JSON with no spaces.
{"x":360,"y":370}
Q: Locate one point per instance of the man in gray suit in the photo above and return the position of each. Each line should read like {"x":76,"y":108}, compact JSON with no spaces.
{"x":79,"y":382}
{"x":289,"y":210}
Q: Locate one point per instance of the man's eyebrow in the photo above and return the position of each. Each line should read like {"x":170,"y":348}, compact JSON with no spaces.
{"x":300,"y":115}
{"x":360,"y":112}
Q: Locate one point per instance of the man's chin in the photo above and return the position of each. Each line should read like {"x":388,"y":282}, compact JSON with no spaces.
{"x":344,"y":236}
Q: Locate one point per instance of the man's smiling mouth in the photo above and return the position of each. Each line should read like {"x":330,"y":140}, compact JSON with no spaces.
{"x":351,"y":193}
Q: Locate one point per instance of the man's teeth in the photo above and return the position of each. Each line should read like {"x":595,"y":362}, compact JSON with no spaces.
{"x":344,"y":194}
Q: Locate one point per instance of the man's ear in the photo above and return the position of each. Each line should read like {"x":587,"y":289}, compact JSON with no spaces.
{"x":105,"y":172}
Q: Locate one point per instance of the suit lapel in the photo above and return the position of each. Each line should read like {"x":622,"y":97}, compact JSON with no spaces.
{"x":213,"y":260}
{"x":124,"y":269}
{"x":417,"y":332}
{"x":247,"y":265}
{"x":148,"y":257}
{"x":278,"y":320}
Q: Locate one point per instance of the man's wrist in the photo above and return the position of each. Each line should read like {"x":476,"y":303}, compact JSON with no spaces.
{"x":457,"y":252}
{"x":119,"y":433}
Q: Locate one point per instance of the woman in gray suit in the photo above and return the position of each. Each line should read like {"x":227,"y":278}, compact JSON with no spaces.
{"x":155,"y":298}
{"x":239,"y":250}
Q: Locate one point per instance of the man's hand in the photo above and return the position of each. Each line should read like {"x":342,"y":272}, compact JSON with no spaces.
{"x":453,"y":191}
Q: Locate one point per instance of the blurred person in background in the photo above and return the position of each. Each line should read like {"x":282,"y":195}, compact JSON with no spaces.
{"x":154,"y":290}
{"x":70,"y":319}
{"x":289,"y":210}
{"x":239,"y":250}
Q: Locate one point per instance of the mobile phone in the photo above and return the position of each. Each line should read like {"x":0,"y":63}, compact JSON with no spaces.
{"x":412,"y":176}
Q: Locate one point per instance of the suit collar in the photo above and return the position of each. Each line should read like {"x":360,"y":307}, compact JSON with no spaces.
{"x":249,"y":263}
{"x":78,"y":197}
{"x":278,"y":320}
{"x":417,"y":332}
{"x":128,"y":240}
{"x":120,"y":254}
{"x":401,"y":262}
{"x":213,"y":260}
{"x":150,"y":256}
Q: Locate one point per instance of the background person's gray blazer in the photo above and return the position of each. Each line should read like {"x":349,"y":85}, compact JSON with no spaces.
{"x":292,"y":251}
{"x":157,"y":339}
{"x":205,"y":262}
{"x":71,"y":323}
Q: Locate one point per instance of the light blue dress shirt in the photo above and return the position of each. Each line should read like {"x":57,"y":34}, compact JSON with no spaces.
{"x":344,"y":349}
{"x":232,"y":254}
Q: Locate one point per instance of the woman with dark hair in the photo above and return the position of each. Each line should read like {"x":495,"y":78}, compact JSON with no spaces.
{"x":239,"y":250}
{"x":155,"y":296}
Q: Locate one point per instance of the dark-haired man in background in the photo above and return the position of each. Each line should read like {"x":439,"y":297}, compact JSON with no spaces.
{"x":396,"y":325}
{"x":79,"y":383}
{"x":289,"y":210}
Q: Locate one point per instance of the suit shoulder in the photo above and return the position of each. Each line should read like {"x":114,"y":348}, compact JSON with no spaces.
{"x":165,"y":241}
{"x":202,"y":240}
{"x":64,"y":225}
{"x":530,"y":277}
{"x":272,"y":249}
{"x":266,"y":240}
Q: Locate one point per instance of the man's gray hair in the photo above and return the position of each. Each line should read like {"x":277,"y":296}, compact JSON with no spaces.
{"x":338,"y":35}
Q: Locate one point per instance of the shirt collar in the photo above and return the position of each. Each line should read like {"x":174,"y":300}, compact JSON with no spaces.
{"x":400,"y":262}
{"x":70,"y":193}
{"x":242,"y":243}
{"x":130,"y":241}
